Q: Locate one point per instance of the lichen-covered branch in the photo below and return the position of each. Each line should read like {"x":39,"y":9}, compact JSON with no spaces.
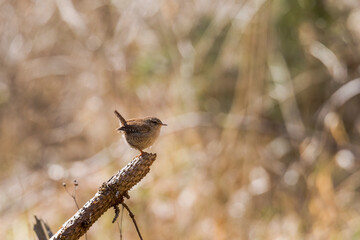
{"x":110,"y":194}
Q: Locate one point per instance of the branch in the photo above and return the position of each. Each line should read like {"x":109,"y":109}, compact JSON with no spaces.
{"x":42,"y":229}
{"x":110,"y":194}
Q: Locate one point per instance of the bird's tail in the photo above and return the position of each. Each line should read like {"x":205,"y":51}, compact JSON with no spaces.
{"x":122,"y":120}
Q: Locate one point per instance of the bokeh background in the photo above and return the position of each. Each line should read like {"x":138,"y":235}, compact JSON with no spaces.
{"x":261,"y":98}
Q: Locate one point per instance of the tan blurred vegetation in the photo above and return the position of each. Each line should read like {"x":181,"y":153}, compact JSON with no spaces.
{"x":261,"y":99}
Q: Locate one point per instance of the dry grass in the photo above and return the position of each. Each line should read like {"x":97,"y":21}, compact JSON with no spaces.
{"x":261,"y":98}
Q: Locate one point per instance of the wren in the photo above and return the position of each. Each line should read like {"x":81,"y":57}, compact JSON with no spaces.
{"x":140,"y":133}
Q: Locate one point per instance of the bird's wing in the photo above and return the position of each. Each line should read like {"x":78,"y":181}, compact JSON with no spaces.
{"x":138,"y":128}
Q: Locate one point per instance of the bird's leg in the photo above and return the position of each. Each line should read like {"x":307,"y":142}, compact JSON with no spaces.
{"x":141,"y":153}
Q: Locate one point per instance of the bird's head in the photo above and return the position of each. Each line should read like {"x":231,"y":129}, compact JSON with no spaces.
{"x":155,"y":122}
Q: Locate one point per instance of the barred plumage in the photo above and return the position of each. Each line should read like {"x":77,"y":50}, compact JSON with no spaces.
{"x":140,"y":133}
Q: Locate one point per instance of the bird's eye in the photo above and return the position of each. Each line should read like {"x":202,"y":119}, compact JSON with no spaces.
{"x":155,"y":121}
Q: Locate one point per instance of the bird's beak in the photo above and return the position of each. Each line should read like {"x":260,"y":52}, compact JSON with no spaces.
{"x":163,"y":124}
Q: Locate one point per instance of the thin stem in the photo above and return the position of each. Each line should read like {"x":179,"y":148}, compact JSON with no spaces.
{"x":73,"y":196}
{"x":133,"y":219}
{"x":121,"y":221}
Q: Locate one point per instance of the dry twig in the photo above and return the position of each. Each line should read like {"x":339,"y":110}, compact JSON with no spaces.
{"x":110,"y":194}
{"x":132,"y":216}
{"x":42,"y":229}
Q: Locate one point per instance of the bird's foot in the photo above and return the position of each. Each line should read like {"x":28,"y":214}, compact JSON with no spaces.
{"x":141,"y":153}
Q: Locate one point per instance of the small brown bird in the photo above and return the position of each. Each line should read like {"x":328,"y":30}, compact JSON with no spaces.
{"x":140,"y":133}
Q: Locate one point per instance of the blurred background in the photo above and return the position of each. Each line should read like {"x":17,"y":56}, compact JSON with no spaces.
{"x":261,"y":99}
